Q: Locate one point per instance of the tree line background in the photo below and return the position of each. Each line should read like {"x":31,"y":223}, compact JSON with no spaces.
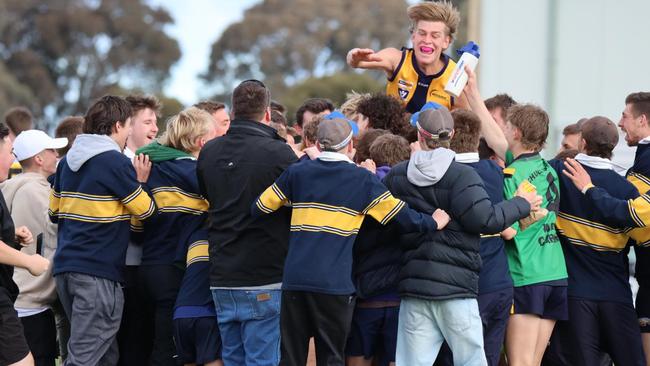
{"x":56,"y":56}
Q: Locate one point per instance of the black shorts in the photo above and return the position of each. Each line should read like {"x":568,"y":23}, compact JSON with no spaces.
{"x":40,"y":333}
{"x":643,"y":308}
{"x":13,"y":346}
{"x":197,"y":340}
{"x":374,"y":333}
{"x":549,"y":302}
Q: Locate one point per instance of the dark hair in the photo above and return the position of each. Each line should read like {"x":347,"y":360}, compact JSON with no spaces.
{"x":503,"y":101}
{"x":101,"y":117}
{"x":569,"y":153}
{"x":250,"y":100}
{"x":385,"y":112}
{"x":69,"y":128}
{"x":600,"y":136}
{"x":310,"y":130}
{"x":19,"y":119}
{"x":210,"y":106}
{"x":572,"y":129}
{"x":365,"y":141}
{"x":410,"y":133}
{"x":140,"y":102}
{"x":277,"y":106}
{"x":467,"y":131}
{"x":485,"y":152}
{"x":315,"y":106}
{"x":4,"y":132}
{"x":278,"y":117}
{"x":389,"y":149}
{"x":640,"y":104}
{"x":533,"y":122}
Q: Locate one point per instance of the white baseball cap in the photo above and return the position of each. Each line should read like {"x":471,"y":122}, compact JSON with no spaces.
{"x":32,"y":142}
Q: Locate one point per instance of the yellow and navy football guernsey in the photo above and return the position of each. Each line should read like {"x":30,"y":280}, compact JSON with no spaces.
{"x":194,"y":298}
{"x":93,"y":207}
{"x":639,"y":175}
{"x":595,"y":250}
{"x":175,"y":189}
{"x":414,"y":88}
{"x":329,"y":201}
{"x":494,"y":275}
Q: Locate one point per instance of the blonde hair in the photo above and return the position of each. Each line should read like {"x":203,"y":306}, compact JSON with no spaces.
{"x":351,"y":104}
{"x":439,"y":11}
{"x":185,"y":128}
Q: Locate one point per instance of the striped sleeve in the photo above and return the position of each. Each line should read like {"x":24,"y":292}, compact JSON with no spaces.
{"x":129,"y":191}
{"x":384,"y":207}
{"x":640,"y":210}
{"x":53,"y":209}
{"x":274,"y":197}
{"x":618,"y":212}
{"x":139,"y":204}
{"x":55,"y":196}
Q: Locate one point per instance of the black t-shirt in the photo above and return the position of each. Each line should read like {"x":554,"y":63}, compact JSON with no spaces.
{"x":7,"y":235}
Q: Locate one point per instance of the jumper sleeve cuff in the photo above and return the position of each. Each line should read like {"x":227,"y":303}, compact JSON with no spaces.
{"x":586,"y":188}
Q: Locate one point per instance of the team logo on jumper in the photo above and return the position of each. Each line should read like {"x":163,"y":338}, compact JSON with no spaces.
{"x":405,"y":83}
{"x":438,"y":94}
{"x":403,"y":93}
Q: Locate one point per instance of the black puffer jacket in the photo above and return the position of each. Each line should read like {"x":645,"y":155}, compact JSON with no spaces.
{"x":445,"y":264}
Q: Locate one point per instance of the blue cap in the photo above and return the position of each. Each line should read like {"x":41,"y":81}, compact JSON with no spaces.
{"x":428,"y":105}
{"x":470,"y":47}
{"x":337,"y":115}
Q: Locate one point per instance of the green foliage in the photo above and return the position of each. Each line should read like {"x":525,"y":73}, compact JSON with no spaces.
{"x":67,"y":52}
{"x":334,"y":87}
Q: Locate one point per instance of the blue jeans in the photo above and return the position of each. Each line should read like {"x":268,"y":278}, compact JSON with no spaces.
{"x":424,"y":324}
{"x":249,"y":322}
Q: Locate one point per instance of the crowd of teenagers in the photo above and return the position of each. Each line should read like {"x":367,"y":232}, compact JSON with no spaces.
{"x":402,"y":228}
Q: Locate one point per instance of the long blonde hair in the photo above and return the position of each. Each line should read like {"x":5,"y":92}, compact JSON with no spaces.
{"x":185,"y":128}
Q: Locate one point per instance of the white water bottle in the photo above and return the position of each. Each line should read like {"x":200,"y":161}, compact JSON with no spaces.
{"x":469,"y":55}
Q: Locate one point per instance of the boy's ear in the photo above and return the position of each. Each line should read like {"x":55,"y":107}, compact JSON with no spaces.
{"x":517,"y":133}
{"x":644,"y":120}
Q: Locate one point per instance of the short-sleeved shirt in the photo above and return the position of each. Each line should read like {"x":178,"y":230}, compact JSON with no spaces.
{"x":535,"y":254}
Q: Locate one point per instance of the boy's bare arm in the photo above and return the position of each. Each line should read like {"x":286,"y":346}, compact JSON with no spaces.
{"x":35,"y":264}
{"x":366,"y":58}
{"x":490,"y":130}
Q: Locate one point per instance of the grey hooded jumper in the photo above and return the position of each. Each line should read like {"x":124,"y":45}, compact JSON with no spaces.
{"x":445,"y":264}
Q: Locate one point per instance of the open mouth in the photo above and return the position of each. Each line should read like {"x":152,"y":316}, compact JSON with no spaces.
{"x":426,"y":50}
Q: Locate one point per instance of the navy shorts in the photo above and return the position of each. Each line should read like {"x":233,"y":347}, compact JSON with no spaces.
{"x":197,"y":340}
{"x":549,"y":302}
{"x":597,"y":333}
{"x":13,"y":346}
{"x":374,"y":333}
{"x":643,"y":308}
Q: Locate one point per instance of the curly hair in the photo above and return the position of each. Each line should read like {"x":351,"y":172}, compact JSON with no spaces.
{"x":385,"y":112}
{"x":365,"y":141}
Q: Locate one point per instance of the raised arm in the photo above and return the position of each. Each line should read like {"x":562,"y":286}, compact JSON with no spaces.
{"x":365,"y":58}
{"x":490,"y":130}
